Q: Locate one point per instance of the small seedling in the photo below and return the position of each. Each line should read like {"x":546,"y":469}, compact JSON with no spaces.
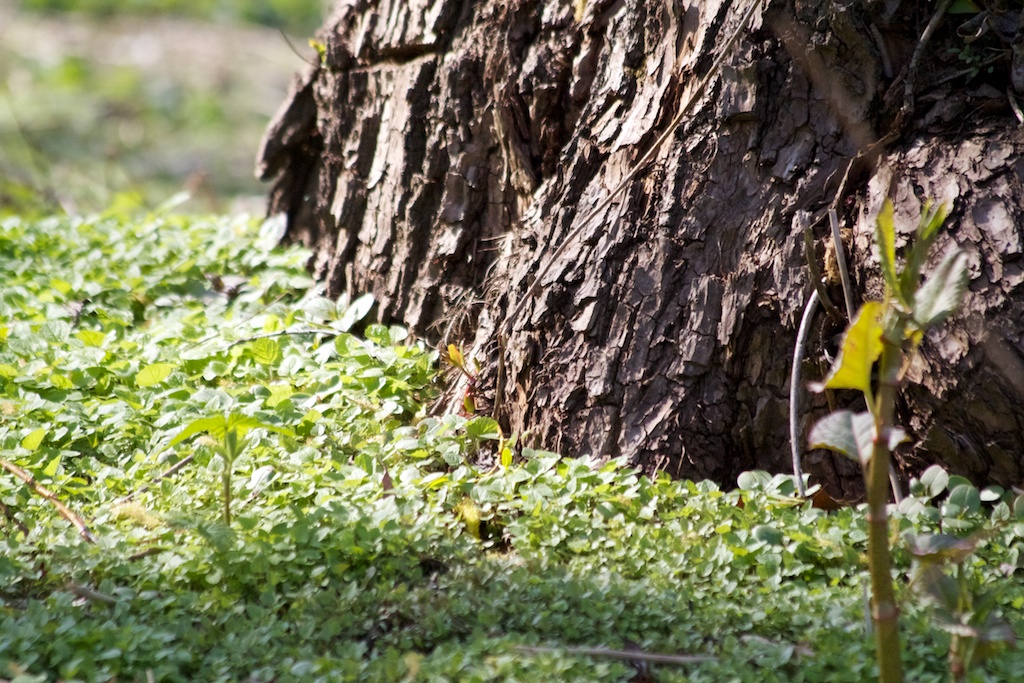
{"x":880,"y":337}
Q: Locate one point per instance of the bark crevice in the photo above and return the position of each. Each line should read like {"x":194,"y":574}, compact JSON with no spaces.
{"x":445,"y":150}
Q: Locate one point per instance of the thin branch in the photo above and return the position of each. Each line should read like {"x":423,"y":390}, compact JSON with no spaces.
{"x":63,"y":509}
{"x":844,"y":273}
{"x":166,"y":473}
{"x":794,"y":389}
{"x":817,"y":280}
{"x":915,"y":60}
{"x":621,"y":655}
{"x":326,"y":331}
{"x":12,"y":519}
{"x":146,"y":553}
{"x":90,"y":594}
{"x":295,"y":50}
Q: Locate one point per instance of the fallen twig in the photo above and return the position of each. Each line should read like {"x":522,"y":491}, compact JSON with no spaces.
{"x":146,"y":553}
{"x":63,"y":509}
{"x":90,"y":594}
{"x":163,"y":475}
{"x":12,"y":519}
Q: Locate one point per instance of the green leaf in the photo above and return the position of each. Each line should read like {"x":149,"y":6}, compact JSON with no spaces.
{"x":943,"y":291}
{"x":767,"y":534}
{"x":220,"y":426}
{"x":154,"y":374}
{"x":934,"y":479}
{"x":963,"y":7}
{"x":34,"y":439}
{"x":55,"y":331}
{"x":845,"y":432}
{"x":862,"y":344}
{"x":215,"y":426}
{"x":753,"y":480}
{"x":265,"y":351}
{"x":356,"y":311}
{"x":91,"y":337}
{"x":320,"y":308}
{"x":8,"y":371}
{"x":52,"y":466}
{"x":932,"y":219}
{"x":483,"y":429}
{"x":965,"y":497}
{"x":885,"y":236}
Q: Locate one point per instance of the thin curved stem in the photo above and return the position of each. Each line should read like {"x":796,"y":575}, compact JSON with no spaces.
{"x":799,"y":350}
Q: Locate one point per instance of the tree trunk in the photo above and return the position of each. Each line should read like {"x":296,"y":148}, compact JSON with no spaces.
{"x":509,"y":175}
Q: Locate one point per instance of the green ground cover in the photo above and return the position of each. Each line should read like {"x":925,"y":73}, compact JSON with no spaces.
{"x":135,"y":105}
{"x":157,"y":369}
{"x":302,"y":16}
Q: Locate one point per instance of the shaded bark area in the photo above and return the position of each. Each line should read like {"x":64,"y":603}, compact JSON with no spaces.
{"x":443,"y":151}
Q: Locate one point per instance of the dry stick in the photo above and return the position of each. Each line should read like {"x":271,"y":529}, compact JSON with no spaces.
{"x":63,"y":509}
{"x":622,"y":655}
{"x":912,"y":68}
{"x":817,"y":280}
{"x":12,"y":519}
{"x":90,"y":594}
{"x":327,"y":331}
{"x":844,"y":274}
{"x":635,"y":171}
{"x":166,"y":473}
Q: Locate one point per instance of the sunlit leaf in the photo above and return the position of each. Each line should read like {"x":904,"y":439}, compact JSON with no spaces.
{"x":51,"y":467}
{"x":934,"y":479}
{"x":455,"y":356}
{"x":154,"y":374}
{"x":34,"y":439}
{"x":91,"y":337}
{"x":942,"y":291}
{"x":265,"y":351}
{"x":355,"y":312}
{"x":862,"y":345}
{"x":885,"y":235}
{"x":483,"y":428}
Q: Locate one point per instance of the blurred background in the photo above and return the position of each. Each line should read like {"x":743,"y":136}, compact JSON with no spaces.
{"x":122,"y":103}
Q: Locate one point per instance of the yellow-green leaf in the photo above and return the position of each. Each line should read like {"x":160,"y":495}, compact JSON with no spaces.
{"x":60,"y":381}
{"x":34,"y":439}
{"x":91,"y":337}
{"x":266,"y":351}
{"x":8,"y":371}
{"x":862,"y":345}
{"x":455,"y":356}
{"x":885,"y":235}
{"x":51,"y":467}
{"x":153,"y":374}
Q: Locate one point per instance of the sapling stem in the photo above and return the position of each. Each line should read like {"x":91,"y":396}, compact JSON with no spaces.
{"x":885,"y":612}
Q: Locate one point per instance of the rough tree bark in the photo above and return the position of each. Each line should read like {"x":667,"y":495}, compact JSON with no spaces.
{"x":443,"y":151}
